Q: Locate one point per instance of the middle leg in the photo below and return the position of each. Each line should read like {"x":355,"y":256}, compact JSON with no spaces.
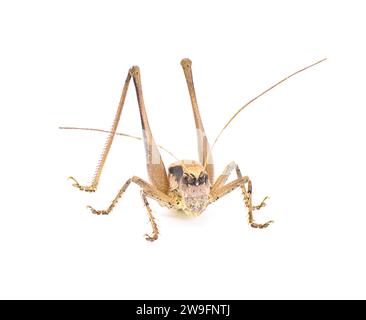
{"x":147,"y":190}
{"x":155,"y":233}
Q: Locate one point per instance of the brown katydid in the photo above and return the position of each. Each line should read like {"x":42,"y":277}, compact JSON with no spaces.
{"x":188,"y":185}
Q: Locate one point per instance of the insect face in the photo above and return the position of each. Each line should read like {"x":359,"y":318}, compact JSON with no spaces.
{"x":190,"y":180}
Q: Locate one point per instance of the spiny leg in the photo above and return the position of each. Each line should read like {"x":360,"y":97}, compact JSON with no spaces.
{"x":94,"y":184}
{"x":154,"y":162}
{"x":147,"y":190}
{"x":155,"y":233}
{"x":115,"y":200}
{"x":219,"y":190}
{"x":221,"y":180}
{"x":250,"y":189}
{"x":249,"y":204}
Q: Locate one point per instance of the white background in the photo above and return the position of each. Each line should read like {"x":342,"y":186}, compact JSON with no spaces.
{"x":64,"y":63}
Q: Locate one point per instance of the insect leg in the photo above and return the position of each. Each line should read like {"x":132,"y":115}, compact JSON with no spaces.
{"x":147,"y":190}
{"x":204,"y":149}
{"x":221,"y":180}
{"x":250,"y":190}
{"x":155,"y":165}
{"x":94,"y":184}
{"x":155,"y":233}
{"x":219,"y":190}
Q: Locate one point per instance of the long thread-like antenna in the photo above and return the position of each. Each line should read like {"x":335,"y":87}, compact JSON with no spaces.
{"x":259,"y":95}
{"x":118,"y":134}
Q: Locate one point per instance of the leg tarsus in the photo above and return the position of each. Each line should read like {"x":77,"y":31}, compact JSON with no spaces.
{"x":153,"y":237}
{"x":261,"y":225}
{"x":98,"y":212}
{"x":76,"y":184}
{"x":262,"y":204}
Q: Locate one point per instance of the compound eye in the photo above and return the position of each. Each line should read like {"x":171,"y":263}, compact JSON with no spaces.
{"x":191,"y":180}
{"x":202,"y":179}
{"x":185,"y":180}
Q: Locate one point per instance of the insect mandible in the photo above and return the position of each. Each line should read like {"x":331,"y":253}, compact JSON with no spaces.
{"x":188,"y":185}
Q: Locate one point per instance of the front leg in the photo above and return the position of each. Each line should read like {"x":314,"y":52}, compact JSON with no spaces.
{"x":221,"y":180}
{"x":147,"y":191}
{"x":249,"y":204}
{"x":220,"y":189}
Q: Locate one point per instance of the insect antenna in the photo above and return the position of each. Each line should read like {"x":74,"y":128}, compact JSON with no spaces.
{"x":258,"y":96}
{"x":118,"y":134}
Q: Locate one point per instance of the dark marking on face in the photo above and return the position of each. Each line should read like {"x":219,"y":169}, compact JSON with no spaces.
{"x":192,"y":181}
{"x":185,"y":180}
{"x":176,"y":171}
{"x":203,"y":178}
